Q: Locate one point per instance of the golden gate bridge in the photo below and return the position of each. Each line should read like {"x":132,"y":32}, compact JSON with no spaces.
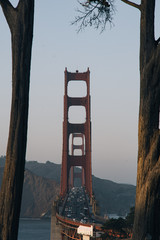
{"x":74,"y":212}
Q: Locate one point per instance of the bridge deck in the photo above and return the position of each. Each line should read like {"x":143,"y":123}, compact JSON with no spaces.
{"x":77,"y":207}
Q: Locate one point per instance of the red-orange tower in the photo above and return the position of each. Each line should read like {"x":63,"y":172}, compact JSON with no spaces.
{"x":73,"y":130}
{"x":74,"y":147}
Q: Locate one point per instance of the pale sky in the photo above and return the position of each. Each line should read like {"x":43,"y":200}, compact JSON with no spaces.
{"x":113,"y":60}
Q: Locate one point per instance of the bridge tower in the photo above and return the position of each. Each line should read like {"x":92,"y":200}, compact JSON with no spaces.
{"x":73,"y":130}
{"x":81,"y":146}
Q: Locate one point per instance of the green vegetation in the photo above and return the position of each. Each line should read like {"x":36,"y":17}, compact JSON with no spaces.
{"x":120,"y":227}
{"x":130,"y":218}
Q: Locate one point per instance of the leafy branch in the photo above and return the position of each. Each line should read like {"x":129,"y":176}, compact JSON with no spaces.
{"x":94,"y":13}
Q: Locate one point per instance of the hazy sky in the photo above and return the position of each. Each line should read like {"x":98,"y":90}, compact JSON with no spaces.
{"x":113,"y":60}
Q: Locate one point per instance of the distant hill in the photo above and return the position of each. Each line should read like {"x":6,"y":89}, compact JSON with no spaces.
{"x":38,"y":195}
{"x":2,"y":161}
{"x":113,"y":197}
{"x":48,"y":170}
{"x":41,"y":186}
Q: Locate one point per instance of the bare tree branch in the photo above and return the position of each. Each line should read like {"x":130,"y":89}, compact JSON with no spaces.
{"x":9,"y":11}
{"x":132,"y":4}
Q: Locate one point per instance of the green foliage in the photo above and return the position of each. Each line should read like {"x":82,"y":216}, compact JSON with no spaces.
{"x":94,"y":13}
{"x":117,"y":225}
{"x":130,"y":218}
{"x":114,"y":228}
{"x":120,"y":226}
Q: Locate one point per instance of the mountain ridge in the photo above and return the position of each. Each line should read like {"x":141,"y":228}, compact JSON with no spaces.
{"x":42,"y":185}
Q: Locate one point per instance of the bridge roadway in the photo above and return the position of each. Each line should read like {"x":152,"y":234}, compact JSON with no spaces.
{"x":77,"y":206}
{"x":75,"y":212}
{"x":74,"y":219}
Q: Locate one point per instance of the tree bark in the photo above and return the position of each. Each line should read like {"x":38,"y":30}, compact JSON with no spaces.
{"x":147,"y":209}
{"x":20,"y":21}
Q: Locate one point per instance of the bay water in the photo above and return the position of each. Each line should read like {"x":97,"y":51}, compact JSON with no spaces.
{"x":34,"y":229}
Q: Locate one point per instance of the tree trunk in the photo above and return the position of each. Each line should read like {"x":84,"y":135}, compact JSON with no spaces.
{"x":147,"y":209}
{"x":20,"y":21}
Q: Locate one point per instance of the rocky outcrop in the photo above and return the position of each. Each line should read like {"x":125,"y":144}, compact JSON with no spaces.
{"x":38,"y":195}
